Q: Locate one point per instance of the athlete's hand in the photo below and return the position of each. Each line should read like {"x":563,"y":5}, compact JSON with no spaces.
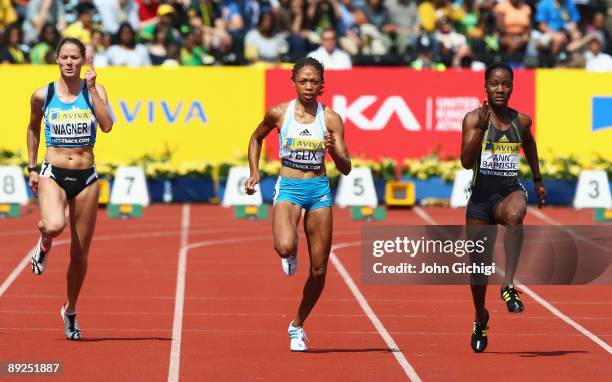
{"x":542,"y":193}
{"x":251,"y":183}
{"x":483,"y":116}
{"x":330,"y":141}
{"x":34,"y":181}
{"x":90,"y":75}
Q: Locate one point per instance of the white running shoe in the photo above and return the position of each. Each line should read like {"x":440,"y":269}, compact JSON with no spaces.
{"x":71,"y":327}
{"x":290,"y":264}
{"x":39,"y":258}
{"x":298,"y":338}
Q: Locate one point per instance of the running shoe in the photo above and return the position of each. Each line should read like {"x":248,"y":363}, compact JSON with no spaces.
{"x":298,"y":338}
{"x":71,"y":327}
{"x":39,"y":258}
{"x":511,"y":297}
{"x":290,"y":264}
{"x":479,"y":335}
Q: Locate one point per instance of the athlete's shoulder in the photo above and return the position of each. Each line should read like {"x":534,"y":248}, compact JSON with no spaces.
{"x":277,"y":111}
{"x":524,"y":119}
{"x":471,"y":116}
{"x":331,"y":116}
{"x":38,"y":97}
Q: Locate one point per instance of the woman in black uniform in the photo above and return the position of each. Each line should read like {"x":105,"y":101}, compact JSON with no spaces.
{"x":491,"y":140}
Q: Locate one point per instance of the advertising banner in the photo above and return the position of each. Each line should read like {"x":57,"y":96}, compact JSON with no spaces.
{"x":193,"y":113}
{"x":574,"y":112}
{"x":400,"y":113}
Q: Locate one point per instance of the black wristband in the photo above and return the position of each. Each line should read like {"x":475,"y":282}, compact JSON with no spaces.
{"x":538,"y":179}
{"x":33,"y":168}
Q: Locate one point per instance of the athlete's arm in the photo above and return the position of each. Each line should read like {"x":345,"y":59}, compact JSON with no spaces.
{"x":531,"y":154}
{"x":474,"y":126}
{"x":334,"y":141}
{"x":269,"y":123}
{"x":36,"y":114}
{"x":100,"y":100}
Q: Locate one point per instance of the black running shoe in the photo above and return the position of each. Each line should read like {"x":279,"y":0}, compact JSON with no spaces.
{"x":512,"y":299}
{"x":479,"y":335}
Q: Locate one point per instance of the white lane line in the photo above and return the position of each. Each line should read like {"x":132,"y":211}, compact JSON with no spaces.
{"x":542,"y":216}
{"x":542,"y":301}
{"x":179,"y":299}
{"x":23,"y":265}
{"x":363,"y":303}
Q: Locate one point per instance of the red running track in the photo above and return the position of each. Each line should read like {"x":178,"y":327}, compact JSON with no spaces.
{"x":237,"y":305}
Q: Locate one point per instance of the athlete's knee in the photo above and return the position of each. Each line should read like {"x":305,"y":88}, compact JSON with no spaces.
{"x":318,"y":271}
{"x":514,"y":216}
{"x":285,"y":247}
{"x":53,"y":227}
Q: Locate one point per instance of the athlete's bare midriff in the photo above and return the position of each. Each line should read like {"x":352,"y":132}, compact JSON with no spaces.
{"x":288,"y":172}
{"x":73,"y":158}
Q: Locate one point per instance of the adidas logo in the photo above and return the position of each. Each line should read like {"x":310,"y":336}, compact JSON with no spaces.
{"x":305,"y":133}
{"x":323,"y":198}
{"x":503,"y":139}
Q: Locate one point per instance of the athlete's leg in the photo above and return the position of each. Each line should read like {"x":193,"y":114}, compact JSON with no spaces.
{"x":510,"y":212}
{"x":477,"y":229}
{"x":318,"y":229}
{"x":285,"y":220}
{"x":83,"y":213}
{"x":52,"y":201}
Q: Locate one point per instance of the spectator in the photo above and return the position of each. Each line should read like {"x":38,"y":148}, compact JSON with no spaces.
{"x":346,"y":20}
{"x":165,"y":17}
{"x":292,"y":23}
{"x":12,"y":52}
{"x":425,"y":54}
{"x":174,"y":56}
{"x":100,"y":43}
{"x":514,"y":23}
{"x":39,"y":13}
{"x":193,"y":52}
{"x":452,"y":45}
{"x":320,"y":15}
{"x":49,"y":38}
{"x":557,"y":20}
{"x":84,"y":26}
{"x":430,"y":12}
{"x":262,"y":44}
{"x":599,"y":25}
{"x":147,"y":12}
{"x":329,"y":55}
{"x":378,"y":16}
{"x":7,"y":14}
{"x":158,"y":51}
{"x":404,"y":23}
{"x":596,"y":60}
{"x":364,"y":38}
{"x":113,"y":12}
{"x":126,"y":52}
{"x":207,"y":16}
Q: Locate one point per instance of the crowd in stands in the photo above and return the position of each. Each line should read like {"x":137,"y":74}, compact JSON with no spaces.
{"x":435,"y":34}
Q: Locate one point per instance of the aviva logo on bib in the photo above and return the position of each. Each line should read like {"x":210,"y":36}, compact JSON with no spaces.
{"x":602,"y":117}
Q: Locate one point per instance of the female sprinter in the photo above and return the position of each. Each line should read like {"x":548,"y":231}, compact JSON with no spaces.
{"x":70,"y":109}
{"x":492,"y":138}
{"x":306,"y":130}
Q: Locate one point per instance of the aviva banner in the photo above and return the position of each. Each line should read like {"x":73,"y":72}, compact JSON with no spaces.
{"x":195,"y":113}
{"x":574,"y":112}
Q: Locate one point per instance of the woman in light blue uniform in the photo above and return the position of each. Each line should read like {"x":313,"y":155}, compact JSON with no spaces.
{"x":71,"y":108}
{"x":307,"y":131}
